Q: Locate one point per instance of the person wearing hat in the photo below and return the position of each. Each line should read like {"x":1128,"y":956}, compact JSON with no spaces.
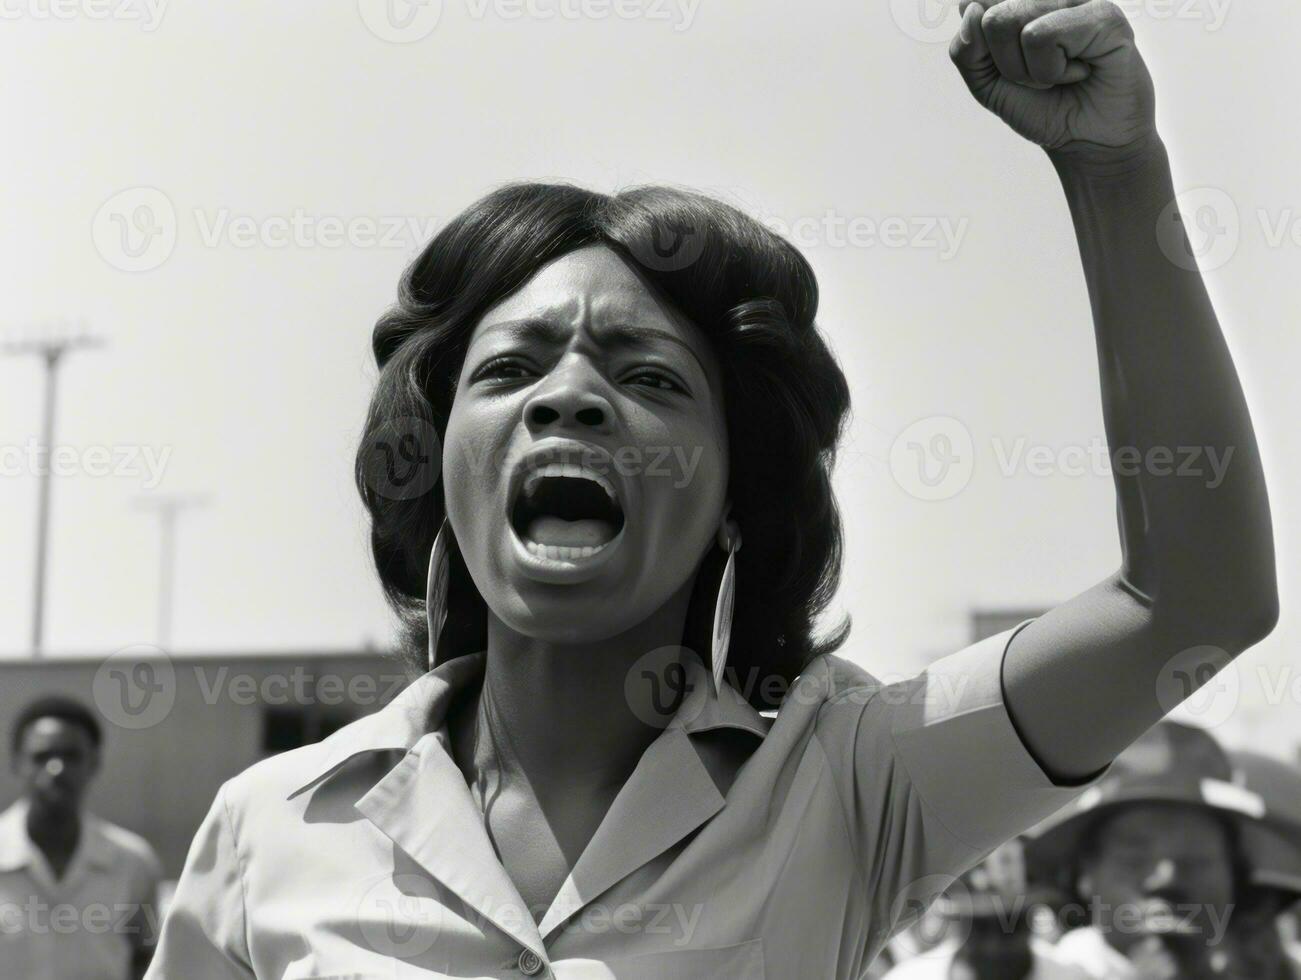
{"x":989,"y":911}
{"x":596,"y":634}
{"x":1273,"y":849}
{"x":1155,"y":851}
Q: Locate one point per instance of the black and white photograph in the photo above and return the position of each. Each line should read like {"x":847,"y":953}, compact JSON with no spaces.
{"x":650,"y":490}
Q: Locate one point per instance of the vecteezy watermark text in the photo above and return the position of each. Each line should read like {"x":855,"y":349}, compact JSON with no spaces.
{"x":934,"y":458}
{"x":940,"y":234}
{"x":149,"y":13}
{"x":120,"y":461}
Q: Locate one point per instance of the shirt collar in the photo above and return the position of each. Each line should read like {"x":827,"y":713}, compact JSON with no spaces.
{"x":419,"y":709}
{"x":16,"y":848}
{"x":95,"y":846}
{"x":1087,"y":947}
{"x":704,"y":709}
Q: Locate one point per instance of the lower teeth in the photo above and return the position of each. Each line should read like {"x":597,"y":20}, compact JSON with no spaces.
{"x":560,"y":551}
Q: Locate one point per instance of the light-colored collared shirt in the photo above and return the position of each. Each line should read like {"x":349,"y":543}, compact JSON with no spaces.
{"x":85,"y":925}
{"x":1087,"y":948}
{"x":935,"y":964}
{"x":366,"y":856}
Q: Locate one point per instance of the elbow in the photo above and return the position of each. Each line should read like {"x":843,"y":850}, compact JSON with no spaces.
{"x":1255,"y":605}
{"x":1260,"y":617}
{"x":1233,"y":614}
{"x":1243,"y":616}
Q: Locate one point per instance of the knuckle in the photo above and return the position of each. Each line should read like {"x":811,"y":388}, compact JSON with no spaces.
{"x":1110,"y":12}
{"x":1037,"y":34}
{"x":998,"y":27}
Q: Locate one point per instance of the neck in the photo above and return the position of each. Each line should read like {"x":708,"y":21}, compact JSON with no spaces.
{"x":53,"y":825}
{"x":563,"y":711}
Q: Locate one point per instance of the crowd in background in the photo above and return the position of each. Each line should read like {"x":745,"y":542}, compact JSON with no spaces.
{"x":1183,"y":862}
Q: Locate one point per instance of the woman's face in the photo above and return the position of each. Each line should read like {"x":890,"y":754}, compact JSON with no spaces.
{"x":585,"y":460}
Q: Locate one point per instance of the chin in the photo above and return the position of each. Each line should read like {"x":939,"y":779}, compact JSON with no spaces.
{"x":561,"y":619}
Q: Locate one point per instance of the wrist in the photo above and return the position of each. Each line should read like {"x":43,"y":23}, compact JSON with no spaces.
{"x":1133,"y":163}
{"x":1137,"y":187}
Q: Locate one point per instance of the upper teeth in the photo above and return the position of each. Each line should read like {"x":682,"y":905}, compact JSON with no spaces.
{"x":568,"y":469}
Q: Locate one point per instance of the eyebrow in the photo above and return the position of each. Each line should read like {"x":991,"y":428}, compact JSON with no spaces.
{"x":546,"y":332}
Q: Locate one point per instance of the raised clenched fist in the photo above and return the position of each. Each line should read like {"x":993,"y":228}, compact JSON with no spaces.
{"x":1065,"y":74}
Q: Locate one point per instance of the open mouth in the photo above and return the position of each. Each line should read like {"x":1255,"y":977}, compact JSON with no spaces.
{"x":563,"y":511}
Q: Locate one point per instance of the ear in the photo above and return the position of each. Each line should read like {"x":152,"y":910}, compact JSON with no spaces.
{"x":728,"y":529}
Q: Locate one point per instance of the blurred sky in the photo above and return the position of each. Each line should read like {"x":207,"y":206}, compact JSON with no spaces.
{"x":244,"y":365}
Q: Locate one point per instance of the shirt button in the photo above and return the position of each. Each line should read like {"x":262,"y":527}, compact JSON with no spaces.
{"x":530,"y":963}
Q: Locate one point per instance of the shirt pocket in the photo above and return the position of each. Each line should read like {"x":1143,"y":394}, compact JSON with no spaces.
{"x":744,"y":961}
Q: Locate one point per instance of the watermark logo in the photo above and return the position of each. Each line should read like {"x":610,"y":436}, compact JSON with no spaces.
{"x":659,"y":684}
{"x":1200,"y":229}
{"x":928,"y":21}
{"x":403,"y":458}
{"x":671,"y":246}
{"x":941,"y":234}
{"x":926,"y":928}
{"x":933,"y":459}
{"x":302,"y":229}
{"x":1204,"y":681}
{"x":143,"y":463}
{"x":400,"y":21}
{"x":405,"y":21}
{"x":397,"y":918}
{"x":135,"y":687}
{"x":148,"y":13}
{"x":937,"y":21}
{"x":135,"y":229}
{"x":1211,"y":13}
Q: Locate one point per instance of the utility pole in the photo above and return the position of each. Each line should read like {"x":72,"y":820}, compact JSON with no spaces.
{"x":167,"y":507}
{"x":51,"y":350}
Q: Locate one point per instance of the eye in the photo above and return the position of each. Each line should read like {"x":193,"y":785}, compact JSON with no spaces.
{"x":501,"y":368}
{"x":662,"y":381}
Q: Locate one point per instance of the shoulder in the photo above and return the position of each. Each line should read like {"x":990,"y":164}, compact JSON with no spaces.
{"x":843,"y":702}
{"x":829,"y":678}
{"x":276,"y":779}
{"x":1085,"y":949}
{"x":272,"y":797}
{"x":127,"y":846}
{"x":932,"y":965}
{"x":1054,"y":964}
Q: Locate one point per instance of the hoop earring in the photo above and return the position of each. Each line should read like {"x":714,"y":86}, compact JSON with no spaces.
{"x":436,"y":590}
{"x":722,"y":635}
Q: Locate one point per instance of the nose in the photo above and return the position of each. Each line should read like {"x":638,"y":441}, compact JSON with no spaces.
{"x":54,"y":768}
{"x":569,"y":399}
{"x":1163,"y":876}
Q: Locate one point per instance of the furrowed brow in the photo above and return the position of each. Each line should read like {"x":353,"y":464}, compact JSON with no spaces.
{"x":554,"y":335}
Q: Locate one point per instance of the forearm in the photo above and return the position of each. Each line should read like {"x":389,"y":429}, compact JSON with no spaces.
{"x":1197,"y":581}
{"x":1194,"y":514}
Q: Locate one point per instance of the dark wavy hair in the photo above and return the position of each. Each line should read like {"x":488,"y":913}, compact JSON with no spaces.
{"x":786,"y":400}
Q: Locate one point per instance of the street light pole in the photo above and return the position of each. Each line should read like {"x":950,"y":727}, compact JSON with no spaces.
{"x":52,"y":356}
{"x":168,"y":509}
{"x":51,"y":351}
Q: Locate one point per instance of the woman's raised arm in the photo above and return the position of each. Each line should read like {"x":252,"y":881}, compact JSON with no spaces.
{"x":1197,"y":583}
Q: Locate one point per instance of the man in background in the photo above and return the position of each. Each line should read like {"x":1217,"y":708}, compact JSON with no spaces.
{"x":1259,"y":928}
{"x":991,"y":936}
{"x":78,"y":895}
{"x":1155,"y":853}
